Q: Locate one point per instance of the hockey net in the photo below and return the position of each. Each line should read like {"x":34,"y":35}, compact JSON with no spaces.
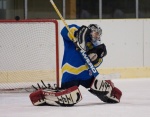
{"x":29,"y":53}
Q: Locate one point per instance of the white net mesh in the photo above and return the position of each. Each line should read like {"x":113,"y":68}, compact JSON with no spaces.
{"x":27,"y":53}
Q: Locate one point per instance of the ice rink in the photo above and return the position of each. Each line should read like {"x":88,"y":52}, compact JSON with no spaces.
{"x":135,"y":102}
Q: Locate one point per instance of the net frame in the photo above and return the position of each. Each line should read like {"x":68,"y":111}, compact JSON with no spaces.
{"x":56,"y":48}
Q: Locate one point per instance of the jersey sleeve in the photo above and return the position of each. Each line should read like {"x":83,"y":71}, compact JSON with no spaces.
{"x":66,"y":35}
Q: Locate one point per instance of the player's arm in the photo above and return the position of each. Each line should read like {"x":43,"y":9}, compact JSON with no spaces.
{"x":95,"y":54}
{"x":66,"y":35}
{"x":81,"y":35}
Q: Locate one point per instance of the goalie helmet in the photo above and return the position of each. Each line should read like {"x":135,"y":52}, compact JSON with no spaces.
{"x":96,"y":32}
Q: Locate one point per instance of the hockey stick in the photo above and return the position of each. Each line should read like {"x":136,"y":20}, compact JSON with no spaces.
{"x":82,"y":52}
{"x":61,"y":17}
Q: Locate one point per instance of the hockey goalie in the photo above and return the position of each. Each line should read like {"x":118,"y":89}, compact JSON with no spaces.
{"x":75,"y":71}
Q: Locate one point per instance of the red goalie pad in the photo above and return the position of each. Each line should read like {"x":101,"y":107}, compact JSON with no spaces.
{"x":37,"y":98}
{"x":106,"y":91}
{"x":66,"y":97}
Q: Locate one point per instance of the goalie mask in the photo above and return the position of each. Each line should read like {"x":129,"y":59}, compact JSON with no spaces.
{"x":95,"y":34}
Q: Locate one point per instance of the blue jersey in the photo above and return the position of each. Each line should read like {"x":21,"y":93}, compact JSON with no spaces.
{"x":74,"y":66}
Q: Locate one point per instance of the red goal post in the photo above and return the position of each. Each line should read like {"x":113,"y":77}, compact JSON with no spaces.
{"x":29,"y":52}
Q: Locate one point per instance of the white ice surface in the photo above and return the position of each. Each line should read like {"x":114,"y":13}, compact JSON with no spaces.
{"x":135,"y":102}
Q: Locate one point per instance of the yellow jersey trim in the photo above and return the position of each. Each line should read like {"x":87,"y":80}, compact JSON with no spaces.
{"x":73,"y":70}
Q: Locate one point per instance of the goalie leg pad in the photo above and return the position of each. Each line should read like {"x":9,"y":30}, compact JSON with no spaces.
{"x":67,"y":97}
{"x":105,"y":90}
{"x":37,"y":98}
{"x":115,"y":96}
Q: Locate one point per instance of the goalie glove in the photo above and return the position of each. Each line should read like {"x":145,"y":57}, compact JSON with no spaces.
{"x":96,"y":54}
{"x":81,"y":34}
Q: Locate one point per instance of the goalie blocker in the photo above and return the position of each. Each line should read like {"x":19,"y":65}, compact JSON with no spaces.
{"x":67,"y":97}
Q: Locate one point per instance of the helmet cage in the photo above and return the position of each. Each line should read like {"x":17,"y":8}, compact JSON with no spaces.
{"x":96,"y":32}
